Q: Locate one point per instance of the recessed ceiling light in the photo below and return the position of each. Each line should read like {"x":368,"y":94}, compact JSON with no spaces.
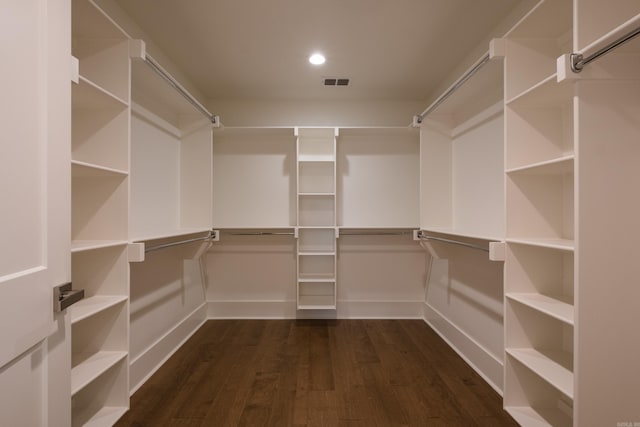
{"x":317,"y":59}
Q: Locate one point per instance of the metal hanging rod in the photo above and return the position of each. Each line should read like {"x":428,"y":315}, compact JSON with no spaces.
{"x":378,"y":233}
{"x":181,"y":242}
{"x":462,"y":80}
{"x":578,"y":61}
{"x":453,"y":242}
{"x":260,"y":233}
{"x":215,"y":120}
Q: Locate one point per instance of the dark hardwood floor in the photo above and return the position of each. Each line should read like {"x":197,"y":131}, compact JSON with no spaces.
{"x":316,"y":373}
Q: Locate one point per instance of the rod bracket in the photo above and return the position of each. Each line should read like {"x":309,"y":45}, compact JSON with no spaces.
{"x":577,"y":62}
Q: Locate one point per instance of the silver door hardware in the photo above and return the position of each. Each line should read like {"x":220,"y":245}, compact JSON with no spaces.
{"x":64,"y":296}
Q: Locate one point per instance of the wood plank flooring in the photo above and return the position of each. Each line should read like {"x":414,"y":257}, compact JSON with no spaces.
{"x":309,"y":373}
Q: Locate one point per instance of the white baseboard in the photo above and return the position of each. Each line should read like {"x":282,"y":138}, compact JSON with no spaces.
{"x":483,"y":362}
{"x":148,"y":362}
{"x":287,"y":310}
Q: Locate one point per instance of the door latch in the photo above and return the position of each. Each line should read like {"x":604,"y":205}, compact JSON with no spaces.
{"x":64,"y":296}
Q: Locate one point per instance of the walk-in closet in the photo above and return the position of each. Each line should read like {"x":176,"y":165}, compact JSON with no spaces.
{"x":435,"y":223}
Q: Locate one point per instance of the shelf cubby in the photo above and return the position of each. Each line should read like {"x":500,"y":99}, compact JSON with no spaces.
{"x":315,"y":240}
{"x":99,"y":204}
{"x":539,"y":125}
{"x":535,"y":43}
{"x":316,"y":210}
{"x":104,"y":399}
{"x":542,"y":343}
{"x":532,"y":401}
{"x":316,"y":266}
{"x":540,"y":201}
{"x":316,"y":295}
{"x":316,"y":177}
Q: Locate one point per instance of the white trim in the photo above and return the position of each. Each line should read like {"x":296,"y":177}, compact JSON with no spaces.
{"x":287,"y":310}
{"x":482,"y":361}
{"x":149,"y":361}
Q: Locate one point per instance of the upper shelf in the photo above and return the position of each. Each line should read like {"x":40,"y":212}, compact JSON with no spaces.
{"x":153,"y":93}
{"x":88,"y":21}
{"x":482,"y":91}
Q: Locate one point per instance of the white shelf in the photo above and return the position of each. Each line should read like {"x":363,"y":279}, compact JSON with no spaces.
{"x":553,"y":366}
{"x":552,"y":306}
{"x":317,"y":194}
{"x":86,"y":169}
{"x":561,"y":244}
{"x":315,"y":158}
{"x":462,"y":233}
{"x":169,"y":234}
{"x":88,"y":95}
{"x":107,"y":416}
{"x":93,"y":305}
{"x":92,"y":366}
{"x":310,"y":253}
{"x":539,"y":417}
{"x":560,"y":166}
{"x":316,"y":307}
{"x":308,"y":278}
{"x":89,"y":245}
{"x":546,"y":93}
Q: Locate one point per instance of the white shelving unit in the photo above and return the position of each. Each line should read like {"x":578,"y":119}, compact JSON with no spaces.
{"x":570,"y":223}
{"x":171,"y":160}
{"x":316,"y":219}
{"x":462,"y":159}
{"x":100,"y":198}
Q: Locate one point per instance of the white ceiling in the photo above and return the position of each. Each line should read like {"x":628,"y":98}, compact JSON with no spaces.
{"x":258,"y":49}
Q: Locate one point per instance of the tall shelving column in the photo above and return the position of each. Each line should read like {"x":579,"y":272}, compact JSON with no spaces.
{"x":317,"y":232}
{"x":100,"y":193}
{"x":607,"y":128}
{"x":539,"y":217}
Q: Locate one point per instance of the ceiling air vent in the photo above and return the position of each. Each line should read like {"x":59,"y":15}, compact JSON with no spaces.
{"x":333,"y":81}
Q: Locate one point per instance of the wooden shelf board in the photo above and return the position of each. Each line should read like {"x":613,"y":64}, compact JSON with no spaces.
{"x":93,"y":305}
{"x":79,"y":168}
{"x":554,"y":366}
{"x":143,"y":237}
{"x":316,"y":158}
{"x":462,"y":233}
{"x":539,"y":417}
{"x":88,"y":95}
{"x":560,"y":166}
{"x":106,"y":416}
{"x":92,"y":366}
{"x":302,"y":279}
{"x":316,"y":307}
{"x":317,"y":253}
{"x":89,"y":245}
{"x":560,"y":244}
{"x":551,"y":306}
{"x":546,"y":93}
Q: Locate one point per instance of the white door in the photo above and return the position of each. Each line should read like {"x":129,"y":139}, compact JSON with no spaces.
{"x":35,"y":189}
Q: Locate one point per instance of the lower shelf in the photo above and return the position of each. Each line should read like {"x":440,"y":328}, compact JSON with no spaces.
{"x":539,"y":417}
{"x":107,"y":416}
{"x":87,"y":368}
{"x":553,"y":366}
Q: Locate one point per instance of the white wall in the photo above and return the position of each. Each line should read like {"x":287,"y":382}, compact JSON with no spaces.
{"x":464,"y":304}
{"x":167,"y":305}
{"x":255,"y":277}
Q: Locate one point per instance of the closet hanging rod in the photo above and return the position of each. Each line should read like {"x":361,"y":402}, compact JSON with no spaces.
{"x":260,"y":233}
{"x":462,"y":80}
{"x":378,"y":233}
{"x":215,"y":120}
{"x":453,"y":242}
{"x":181,"y":242}
{"x":578,"y":61}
